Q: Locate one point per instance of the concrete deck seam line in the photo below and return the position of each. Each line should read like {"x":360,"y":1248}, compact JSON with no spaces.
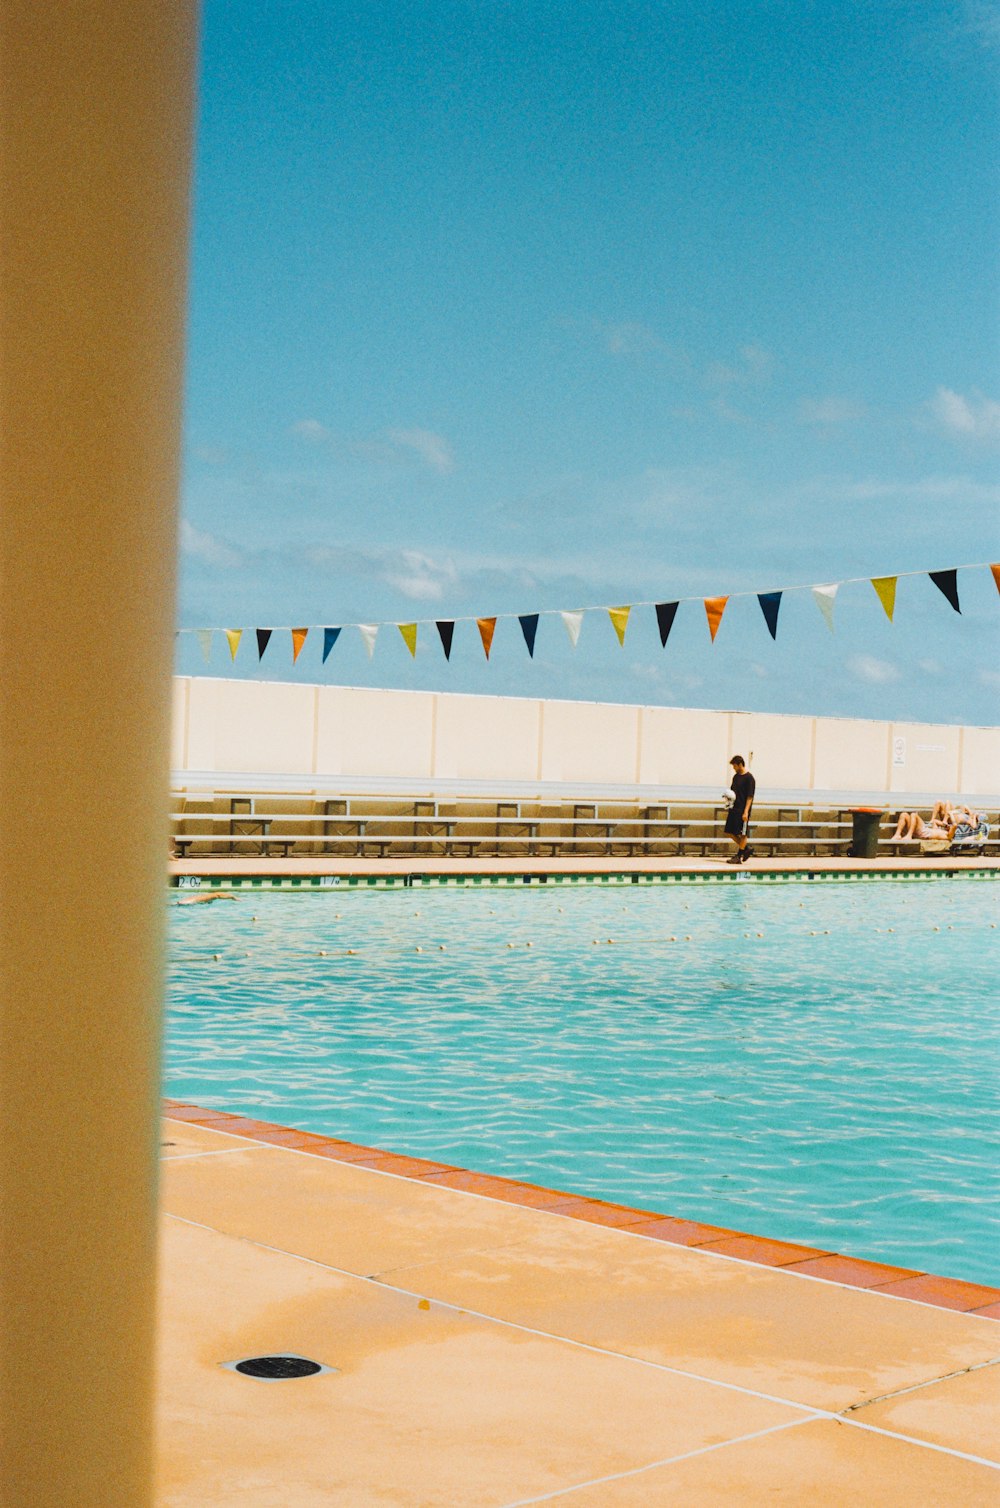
{"x":944,"y":1450}
{"x":620,"y":1229}
{"x":809,"y":1409}
{"x":813,"y":1410}
{"x":638,"y":1471}
{"x":916,"y":1387}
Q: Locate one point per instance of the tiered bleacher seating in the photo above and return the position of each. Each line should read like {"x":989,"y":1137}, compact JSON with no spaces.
{"x":274,"y":819}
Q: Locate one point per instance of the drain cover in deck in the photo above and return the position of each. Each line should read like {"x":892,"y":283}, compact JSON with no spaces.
{"x":276,"y":1368}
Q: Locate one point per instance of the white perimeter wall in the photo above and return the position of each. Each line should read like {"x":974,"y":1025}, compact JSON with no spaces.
{"x":267,"y":727}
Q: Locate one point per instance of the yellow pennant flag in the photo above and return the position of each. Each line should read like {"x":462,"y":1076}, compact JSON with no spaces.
{"x":885,"y":587}
{"x":409,"y":632}
{"x":714,"y":609}
{"x":298,"y":639}
{"x":233,"y":637}
{"x":619,"y":621}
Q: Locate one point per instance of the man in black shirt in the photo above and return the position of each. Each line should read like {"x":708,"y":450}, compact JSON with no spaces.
{"x":738,"y":820}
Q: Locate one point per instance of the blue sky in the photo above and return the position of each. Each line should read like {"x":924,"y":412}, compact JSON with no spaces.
{"x":505,"y":307}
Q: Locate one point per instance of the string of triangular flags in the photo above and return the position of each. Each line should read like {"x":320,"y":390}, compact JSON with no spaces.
{"x":824,"y":594}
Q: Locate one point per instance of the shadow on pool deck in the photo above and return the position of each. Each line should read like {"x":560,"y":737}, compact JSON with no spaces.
{"x":494,"y":1349}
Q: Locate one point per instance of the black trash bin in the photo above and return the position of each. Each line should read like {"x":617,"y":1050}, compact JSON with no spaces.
{"x":865,"y":821}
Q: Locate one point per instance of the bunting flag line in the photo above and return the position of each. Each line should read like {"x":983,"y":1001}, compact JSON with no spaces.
{"x":487,"y":628}
{"x":619,"y":621}
{"x":825,"y":597}
{"x":947,"y":584}
{"x":573,"y":622}
{"x":770,"y":602}
{"x":529,"y":628}
{"x":824,"y":594}
{"x":666,"y":612}
{"x":714,"y":609}
{"x":885,"y":588}
{"x":446,"y":631}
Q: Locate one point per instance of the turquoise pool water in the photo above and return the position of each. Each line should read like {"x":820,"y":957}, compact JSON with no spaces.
{"x":813,"y":1062}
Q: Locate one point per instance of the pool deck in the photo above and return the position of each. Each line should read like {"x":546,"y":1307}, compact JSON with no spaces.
{"x":494,"y":1344}
{"x":243,"y":866}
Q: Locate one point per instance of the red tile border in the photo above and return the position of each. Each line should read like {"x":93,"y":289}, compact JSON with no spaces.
{"x":947,"y":1293}
{"x":760,"y":1249}
{"x":832,"y":1267}
{"x":679,"y":1232}
{"x":852,"y":1271}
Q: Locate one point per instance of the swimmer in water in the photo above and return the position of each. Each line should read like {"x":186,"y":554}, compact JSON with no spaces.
{"x":203,"y":899}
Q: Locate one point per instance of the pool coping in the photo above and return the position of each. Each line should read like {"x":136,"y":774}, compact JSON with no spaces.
{"x":827,"y":1266}
{"x":303,"y":874}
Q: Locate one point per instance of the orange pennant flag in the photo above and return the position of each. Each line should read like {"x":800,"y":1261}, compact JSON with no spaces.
{"x":487,"y":628}
{"x":298,"y":639}
{"x":233,"y":637}
{"x":996,"y":575}
{"x":619,"y":621}
{"x":409,"y":632}
{"x":885,"y":587}
{"x":714,"y":609}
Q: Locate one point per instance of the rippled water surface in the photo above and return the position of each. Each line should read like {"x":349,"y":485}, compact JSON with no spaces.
{"x":815,"y":1062}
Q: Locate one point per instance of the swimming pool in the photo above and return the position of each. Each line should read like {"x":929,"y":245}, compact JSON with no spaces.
{"x":811,"y":1062}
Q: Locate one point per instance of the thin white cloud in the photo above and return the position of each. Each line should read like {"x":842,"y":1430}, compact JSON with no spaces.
{"x":414,"y":573}
{"x":982,"y":21}
{"x":208,"y":548}
{"x":420,"y":577}
{"x":829,"y":411}
{"x":212,"y":455}
{"x":630,"y":338}
{"x":930,"y":489}
{"x":311,"y":430}
{"x":752,"y":366}
{"x":875,"y":672}
{"x":432,"y":449}
{"x":974,"y":417}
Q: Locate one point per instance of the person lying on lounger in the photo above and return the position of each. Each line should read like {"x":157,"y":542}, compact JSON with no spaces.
{"x":953,"y":816}
{"x":911,"y":827}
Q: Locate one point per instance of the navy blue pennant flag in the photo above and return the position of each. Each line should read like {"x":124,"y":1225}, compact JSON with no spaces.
{"x":947,"y":583}
{"x":446,"y":628}
{"x":769,"y":605}
{"x":529,"y":628}
{"x":263,"y":639}
{"x":330,"y":637}
{"x":666,"y":612}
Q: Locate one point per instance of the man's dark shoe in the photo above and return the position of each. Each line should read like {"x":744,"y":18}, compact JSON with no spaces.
{"x":745,"y":853}
{"x":736,"y":859}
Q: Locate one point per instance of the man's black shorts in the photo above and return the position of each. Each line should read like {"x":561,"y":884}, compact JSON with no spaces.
{"x":734,"y":826}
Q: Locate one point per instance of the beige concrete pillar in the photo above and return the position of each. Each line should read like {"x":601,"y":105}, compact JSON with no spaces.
{"x":94,"y":166}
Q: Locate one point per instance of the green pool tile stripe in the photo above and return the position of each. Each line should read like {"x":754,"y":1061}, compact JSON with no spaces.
{"x":539,"y":877}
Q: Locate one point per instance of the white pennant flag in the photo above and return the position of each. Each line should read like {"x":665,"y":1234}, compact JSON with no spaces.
{"x":573,"y":622}
{"x":368,"y":632}
{"x":205,"y":640}
{"x":824,"y":600}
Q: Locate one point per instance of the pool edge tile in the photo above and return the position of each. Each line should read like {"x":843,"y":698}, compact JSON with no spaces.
{"x":956,"y":1294}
